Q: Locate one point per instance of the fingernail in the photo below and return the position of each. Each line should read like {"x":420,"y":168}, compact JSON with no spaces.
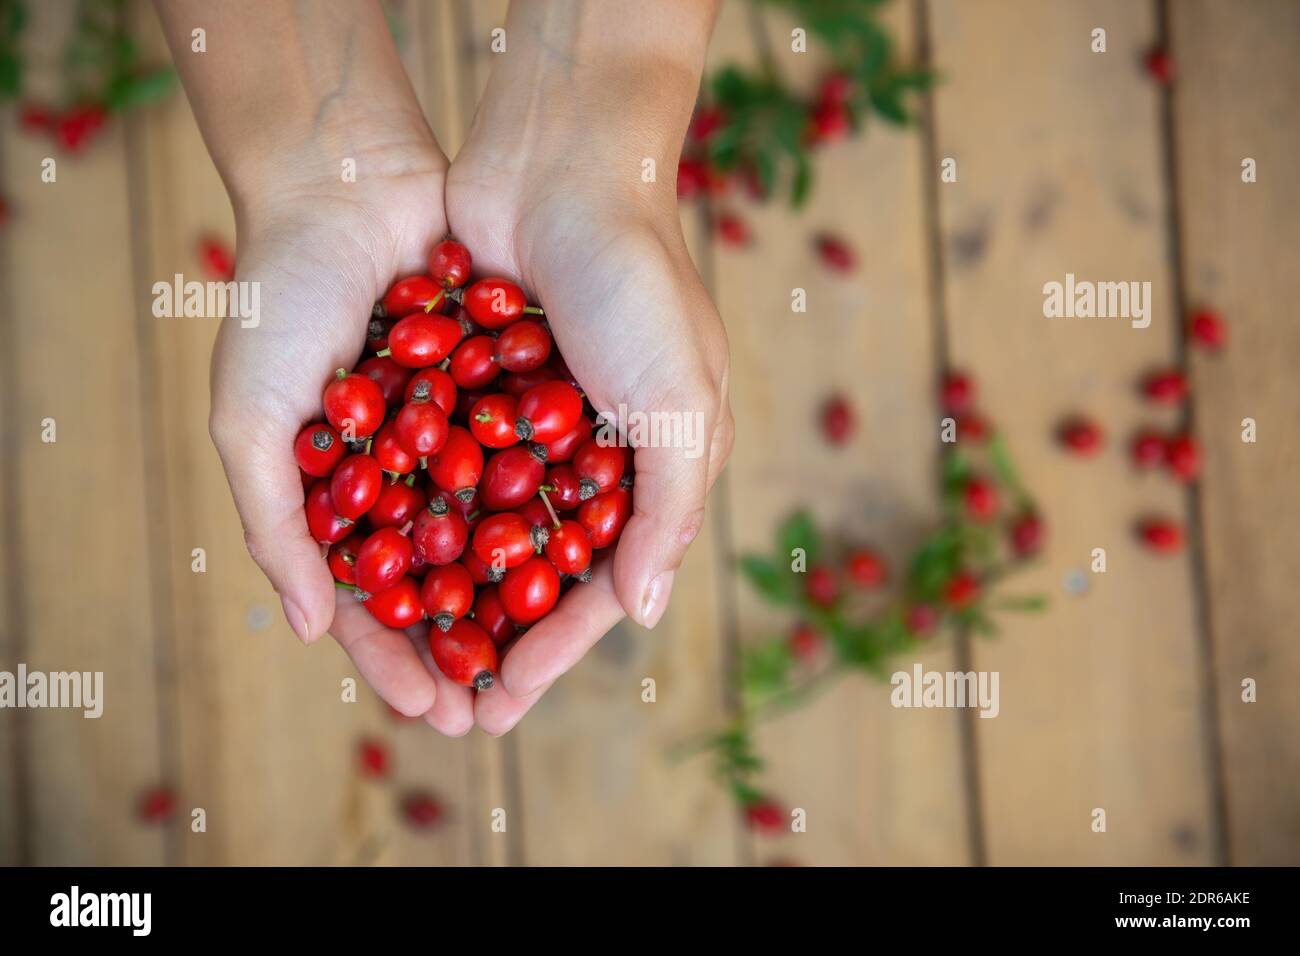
{"x":655,"y":601}
{"x":297,"y":620}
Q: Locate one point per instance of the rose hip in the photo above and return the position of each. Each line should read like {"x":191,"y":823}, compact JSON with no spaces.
{"x":523,"y":347}
{"x":605,"y":515}
{"x":391,"y":378}
{"x":529,"y":591}
{"x":564,"y":447}
{"x":447,"y":594}
{"x":1081,"y":436}
{"x":432,"y":385}
{"x":410,"y":295}
{"x":458,"y":465}
{"x":1166,"y":388}
{"x":354,"y":400}
{"x":548,"y":411}
{"x":1148,"y":450}
{"x":383,"y":560}
{"x":481,"y":571}
{"x":957,"y":393}
{"x":510,"y":478}
{"x":517,"y":383}
{"x":318,"y":449}
{"x":504,"y":540}
{"x":568,"y":547}
{"x":323,"y":521}
{"x":981,"y":500}
{"x":495,"y":303}
{"x":355,"y":486}
{"x":465,"y":654}
{"x":474,"y":363}
{"x":343,"y":556}
{"x":491,"y":615}
{"x":492,"y":421}
{"x":440,"y":533}
{"x":420,"y":340}
{"x":1183,"y":457}
{"x":562,"y":488}
{"x":866,"y":569}
{"x":377,"y":334}
{"x":422,"y":429}
{"x":599,"y":468}
{"x":397,"y":504}
{"x":1161,"y":536}
{"x":449,"y":264}
{"x":398,"y":607}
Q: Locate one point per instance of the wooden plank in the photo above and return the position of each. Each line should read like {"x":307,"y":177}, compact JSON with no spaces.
{"x":78,"y":513}
{"x":251,"y":703}
{"x":880,"y":785}
{"x":1240,"y":65}
{"x":1062,"y":174}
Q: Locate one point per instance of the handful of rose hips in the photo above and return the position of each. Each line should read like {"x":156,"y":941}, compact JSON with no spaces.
{"x":457,"y":475}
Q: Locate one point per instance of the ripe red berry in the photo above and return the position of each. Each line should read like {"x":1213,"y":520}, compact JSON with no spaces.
{"x":517,"y":383}
{"x":547,"y":412}
{"x":389,"y":453}
{"x":398,"y":503}
{"x":356,"y":401}
{"x":705,"y":123}
{"x":465,"y":654}
{"x":1160,"y":66}
{"x":355,"y":486}
{"x":157,"y":805}
{"x":218,"y":261}
{"x":382,"y":561}
{"x":605,"y":515}
{"x":804,"y":641}
{"x":440,"y":533}
{"x":981,"y":499}
{"x":421,"y":811}
{"x":1161,"y":536}
{"x":957,"y":393}
{"x":837,"y":420}
{"x":510,"y":478}
{"x":318,"y":449}
{"x":821,"y":586}
{"x":473,"y":364}
{"x":447,"y":594}
{"x":74,"y":129}
{"x":973,"y":427}
{"x":692,"y":178}
{"x":566,"y":446}
{"x":432,"y":385}
{"x":837,"y":88}
{"x":492,"y":421}
{"x":828,"y":123}
{"x":962,"y":590}
{"x":504,"y":540}
{"x":480,"y":571}
{"x":523,"y":347}
{"x":1026,"y":535}
{"x":411,"y":295}
{"x":342,"y":558}
{"x":458,"y":465}
{"x":373,"y":757}
{"x":35,"y":118}
{"x":491,"y":615}
{"x":920,"y":619}
{"x":732,"y":230}
{"x":599,"y":468}
{"x":399,"y":606}
{"x":1168,"y":387}
{"x":564,"y":491}
{"x":568,"y":547}
{"x":835,"y":253}
{"x":495,"y":303}
{"x":323,"y":522}
{"x":1183,"y":457}
{"x":764,"y":816}
{"x":391,"y":378}
{"x":1148,"y":450}
{"x":866,"y":569}
{"x":421,"y":340}
{"x":422,"y":429}
{"x":1081,"y":436}
{"x":1206,"y":329}
{"x":449,"y":264}
{"x":529,"y":591}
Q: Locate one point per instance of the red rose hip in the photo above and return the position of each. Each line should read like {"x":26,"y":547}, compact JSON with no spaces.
{"x":382,"y":561}
{"x":449,"y":264}
{"x":355,"y":486}
{"x":447,"y":594}
{"x":318,"y":449}
{"x":399,"y":606}
{"x":465,"y":654}
{"x":548,"y":411}
{"x":354,"y":400}
{"x":529,"y":591}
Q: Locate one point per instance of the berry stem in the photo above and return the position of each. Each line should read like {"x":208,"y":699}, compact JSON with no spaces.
{"x":555,"y":519}
{"x":384,"y":353}
{"x":433,"y":303}
{"x":533,"y":310}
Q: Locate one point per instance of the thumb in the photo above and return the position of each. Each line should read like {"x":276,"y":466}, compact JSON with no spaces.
{"x":268,"y":494}
{"x":667,"y":514}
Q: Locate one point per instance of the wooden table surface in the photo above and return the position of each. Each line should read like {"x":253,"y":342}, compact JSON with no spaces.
{"x":1127,"y":697}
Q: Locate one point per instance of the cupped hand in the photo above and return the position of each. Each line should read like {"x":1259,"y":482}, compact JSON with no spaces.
{"x":323,"y":252}
{"x":603,"y":254}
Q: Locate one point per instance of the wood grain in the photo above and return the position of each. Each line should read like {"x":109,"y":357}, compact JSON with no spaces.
{"x":78,"y":512}
{"x":1062,"y":174}
{"x":1235,"y":99}
{"x":880,"y":785}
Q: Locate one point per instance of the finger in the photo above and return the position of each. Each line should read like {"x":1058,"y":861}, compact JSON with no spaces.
{"x":386,"y":658}
{"x":667,"y":514}
{"x":497,"y":712}
{"x":452,"y":713}
{"x":268,"y":495}
{"x":558,"y":641}
{"x":724,"y":438}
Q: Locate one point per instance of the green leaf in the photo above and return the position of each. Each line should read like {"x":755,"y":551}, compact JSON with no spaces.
{"x":888,"y":105}
{"x":798,"y":531}
{"x":1000,"y":456}
{"x":801,"y":185}
{"x":763,"y":668}
{"x":772,"y":581}
{"x":934,"y":563}
{"x":17,"y":17}
{"x":141,"y":89}
{"x":1026,"y":604}
{"x":11,"y":74}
